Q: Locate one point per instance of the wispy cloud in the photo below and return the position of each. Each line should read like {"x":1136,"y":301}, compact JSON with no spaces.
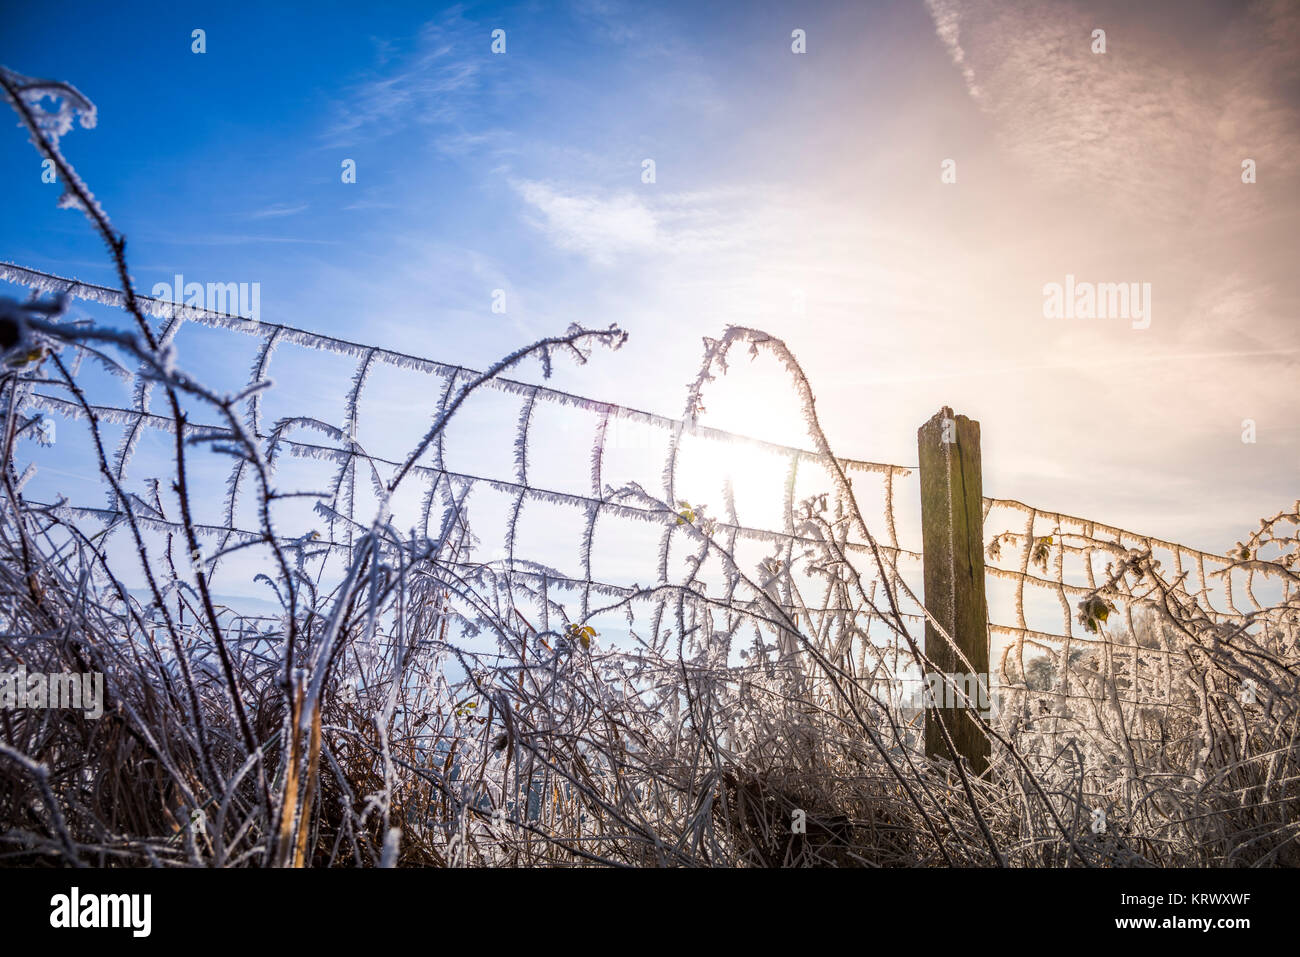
{"x":427,"y":87}
{"x":1159,"y":123}
{"x":277,"y":210}
{"x":604,"y":225}
{"x":947,"y":24}
{"x":243,"y":239}
{"x":371,"y":204}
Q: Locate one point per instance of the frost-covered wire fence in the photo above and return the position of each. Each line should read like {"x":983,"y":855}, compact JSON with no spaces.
{"x":448,"y":489}
{"x":561,"y":655}
{"x":1081,"y":657}
{"x":1050,"y":563}
{"x":444,"y":485}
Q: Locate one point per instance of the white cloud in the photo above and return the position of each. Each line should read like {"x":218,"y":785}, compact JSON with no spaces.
{"x":738,"y":223}
{"x":600,"y":228}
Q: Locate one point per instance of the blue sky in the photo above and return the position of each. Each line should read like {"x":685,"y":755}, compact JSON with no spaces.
{"x":780,"y":178}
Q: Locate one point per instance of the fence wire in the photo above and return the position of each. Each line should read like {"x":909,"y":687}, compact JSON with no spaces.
{"x":1056,"y":654}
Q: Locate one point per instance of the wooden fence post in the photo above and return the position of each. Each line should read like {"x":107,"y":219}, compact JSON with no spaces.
{"x":952,"y":517}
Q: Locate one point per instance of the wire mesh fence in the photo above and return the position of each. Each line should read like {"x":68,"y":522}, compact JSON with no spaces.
{"x":1041,"y":564}
{"x":592,"y":532}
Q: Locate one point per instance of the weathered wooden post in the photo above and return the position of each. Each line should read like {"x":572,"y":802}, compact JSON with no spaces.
{"x":952,"y":520}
